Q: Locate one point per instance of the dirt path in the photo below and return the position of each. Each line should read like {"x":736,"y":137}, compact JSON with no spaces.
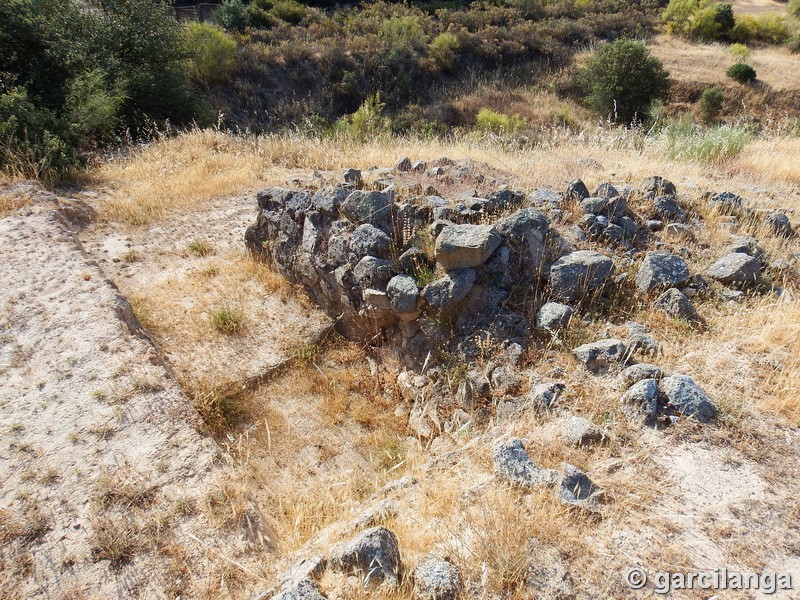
{"x":102,"y":466}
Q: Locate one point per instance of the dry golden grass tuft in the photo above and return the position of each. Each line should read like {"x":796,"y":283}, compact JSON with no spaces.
{"x":11,"y":201}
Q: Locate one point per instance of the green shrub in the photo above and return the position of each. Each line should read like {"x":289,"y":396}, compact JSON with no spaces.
{"x":742,"y":73}
{"x":73,"y":73}
{"x":404,"y":32}
{"x":212,"y":52}
{"x":496,"y":122}
{"x":740,"y":52}
{"x":232,"y":15}
{"x":723,"y":15}
{"x":621,"y":79}
{"x":794,"y":7}
{"x":770,"y":28}
{"x":443,"y":49}
{"x":289,"y":11}
{"x":711,"y":103}
{"x":367,"y":122}
{"x":704,"y":26}
{"x":793,"y":44}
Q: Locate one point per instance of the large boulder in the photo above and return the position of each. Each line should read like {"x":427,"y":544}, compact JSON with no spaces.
{"x":367,"y":207}
{"x":736,"y":267}
{"x":436,"y":579}
{"x":661,"y":269}
{"x":512,"y":464}
{"x":578,"y":273}
{"x":450,"y":289}
{"x":686,"y":397}
{"x":524,"y":232}
{"x":373,"y":555}
{"x":466,"y":246}
{"x":597,"y":357}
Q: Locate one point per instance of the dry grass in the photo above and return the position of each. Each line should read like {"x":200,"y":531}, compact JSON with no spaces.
{"x":12,"y":201}
{"x":177,"y":175}
{"x":707,"y":63}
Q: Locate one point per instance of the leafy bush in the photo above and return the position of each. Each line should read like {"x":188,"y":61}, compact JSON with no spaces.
{"x":289,"y":11}
{"x":367,"y":122}
{"x":740,"y":52}
{"x":443,"y":49}
{"x":73,"y":75}
{"x":793,"y":44}
{"x":232,"y":15}
{"x":621,"y":79}
{"x":770,"y":28}
{"x":742,"y":73}
{"x":497,"y":122}
{"x":794,"y":7}
{"x":212,"y":52}
{"x":711,"y":103}
{"x":723,"y":15}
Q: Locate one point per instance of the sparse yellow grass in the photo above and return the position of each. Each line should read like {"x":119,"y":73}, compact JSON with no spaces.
{"x":175,"y":175}
{"x":11,"y":201}
{"x":707,"y":63}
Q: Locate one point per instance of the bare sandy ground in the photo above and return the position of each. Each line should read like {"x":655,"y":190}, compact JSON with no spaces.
{"x":98,"y":442}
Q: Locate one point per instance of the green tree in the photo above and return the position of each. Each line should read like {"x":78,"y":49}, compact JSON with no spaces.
{"x":71,"y":75}
{"x":621,"y":80}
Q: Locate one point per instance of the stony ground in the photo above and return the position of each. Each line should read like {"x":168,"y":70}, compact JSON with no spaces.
{"x":113,"y":485}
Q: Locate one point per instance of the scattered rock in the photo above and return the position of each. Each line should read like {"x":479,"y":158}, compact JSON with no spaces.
{"x":544,"y":395}
{"x":642,"y":399}
{"x":668,"y":209}
{"x":577,"y":191}
{"x":465,"y":246}
{"x":512,"y":464}
{"x":578,"y":273}
{"x":606,"y":190}
{"x":436,"y":579}
{"x":675,"y":304}
{"x":576,"y":489}
{"x":374,"y":555}
{"x":553,"y":316}
{"x":352,"y":176}
{"x":598,"y":356}
{"x":661,"y":269}
{"x":302,"y":590}
{"x":638,"y":372}
{"x":403,"y":165}
{"x":658,"y":186}
{"x":738,"y":268}
{"x":506,"y":380}
{"x":686,"y":397}
{"x":778,"y":224}
{"x":578,"y":431}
